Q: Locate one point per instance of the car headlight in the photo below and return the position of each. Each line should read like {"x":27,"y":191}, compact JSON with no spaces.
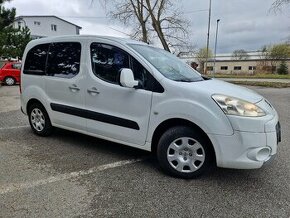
{"x":238,"y":107}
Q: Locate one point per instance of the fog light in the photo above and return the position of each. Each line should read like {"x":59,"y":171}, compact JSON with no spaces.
{"x":259,"y":154}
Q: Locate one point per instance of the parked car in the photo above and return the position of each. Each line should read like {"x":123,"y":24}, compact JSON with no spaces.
{"x":138,"y":95}
{"x":10,"y":73}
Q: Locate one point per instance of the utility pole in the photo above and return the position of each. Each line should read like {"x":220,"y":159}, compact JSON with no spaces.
{"x":215,"y":46}
{"x":208,"y":34}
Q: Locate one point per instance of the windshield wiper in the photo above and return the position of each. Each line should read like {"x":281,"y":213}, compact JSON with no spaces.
{"x":189,"y":80}
{"x":184,"y":80}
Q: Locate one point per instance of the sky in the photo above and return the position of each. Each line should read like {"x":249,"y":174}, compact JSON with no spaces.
{"x":245,"y":24}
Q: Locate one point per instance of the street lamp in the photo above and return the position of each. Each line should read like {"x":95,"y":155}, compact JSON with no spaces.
{"x":215,"y":46}
{"x":208,"y":33}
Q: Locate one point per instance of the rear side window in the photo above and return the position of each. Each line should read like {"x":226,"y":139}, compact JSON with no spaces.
{"x":107,"y":61}
{"x":16,"y":66}
{"x":64,"y":59}
{"x":36,"y":59}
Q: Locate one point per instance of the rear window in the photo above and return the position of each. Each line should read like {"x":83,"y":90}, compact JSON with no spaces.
{"x":36,"y":60}
{"x":16,"y":66}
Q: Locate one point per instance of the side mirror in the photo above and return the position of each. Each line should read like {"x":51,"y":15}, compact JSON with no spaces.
{"x":127,"y":78}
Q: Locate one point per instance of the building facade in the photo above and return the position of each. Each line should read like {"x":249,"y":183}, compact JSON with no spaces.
{"x":45,"y":26}
{"x":245,"y":66}
{"x":225,"y":64}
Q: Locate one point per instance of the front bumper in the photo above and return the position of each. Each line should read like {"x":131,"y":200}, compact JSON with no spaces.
{"x":247,"y":148}
{"x":244,"y":150}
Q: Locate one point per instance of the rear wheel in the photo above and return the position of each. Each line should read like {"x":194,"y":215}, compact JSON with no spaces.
{"x":183,"y":152}
{"x":9,"y":81}
{"x":39,"y":120}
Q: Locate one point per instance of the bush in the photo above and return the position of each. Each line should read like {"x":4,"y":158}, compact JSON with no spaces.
{"x":283,"y":68}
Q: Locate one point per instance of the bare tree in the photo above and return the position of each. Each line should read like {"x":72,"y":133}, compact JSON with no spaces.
{"x":133,"y":12}
{"x":202,"y":56}
{"x":278,"y":4}
{"x":240,"y":54}
{"x":153,"y":17}
{"x":167,"y":22}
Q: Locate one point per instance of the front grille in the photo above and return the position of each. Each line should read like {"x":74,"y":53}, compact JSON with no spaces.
{"x":278,"y":132}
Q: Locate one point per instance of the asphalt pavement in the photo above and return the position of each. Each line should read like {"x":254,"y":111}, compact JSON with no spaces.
{"x":73,"y":175}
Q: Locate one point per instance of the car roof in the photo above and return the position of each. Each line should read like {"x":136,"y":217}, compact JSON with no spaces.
{"x":82,"y":37}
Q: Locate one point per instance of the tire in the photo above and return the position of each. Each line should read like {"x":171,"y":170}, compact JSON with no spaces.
{"x":9,"y":81}
{"x":184,"y":152}
{"x":39,"y":120}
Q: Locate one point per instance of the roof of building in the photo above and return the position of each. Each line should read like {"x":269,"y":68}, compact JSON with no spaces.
{"x":46,"y":16}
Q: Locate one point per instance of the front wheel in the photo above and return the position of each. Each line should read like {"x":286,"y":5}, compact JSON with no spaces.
{"x":184,"y":152}
{"x":39,"y":120}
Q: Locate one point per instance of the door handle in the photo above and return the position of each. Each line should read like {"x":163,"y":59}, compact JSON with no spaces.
{"x":93,"y":90}
{"x":74,"y":88}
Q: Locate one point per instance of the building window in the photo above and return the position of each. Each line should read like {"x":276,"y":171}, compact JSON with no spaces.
{"x":237,"y":68}
{"x":36,"y":23}
{"x":209,"y":68}
{"x":224,"y":68}
{"x":19,"y":24}
{"x":252,"y":67}
{"x":53,"y":27}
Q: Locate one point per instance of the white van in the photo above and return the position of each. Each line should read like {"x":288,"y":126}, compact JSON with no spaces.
{"x":138,"y":95}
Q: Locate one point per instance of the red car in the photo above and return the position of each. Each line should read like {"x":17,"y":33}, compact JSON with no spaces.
{"x":10,"y":73}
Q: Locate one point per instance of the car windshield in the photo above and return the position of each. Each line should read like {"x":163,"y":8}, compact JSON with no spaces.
{"x":168,"y":64}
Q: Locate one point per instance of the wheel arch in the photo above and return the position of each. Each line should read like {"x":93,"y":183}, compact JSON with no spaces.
{"x":31,"y":102}
{"x":165,"y":125}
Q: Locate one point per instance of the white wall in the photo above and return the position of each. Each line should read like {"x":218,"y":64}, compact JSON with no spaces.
{"x":44,"y":29}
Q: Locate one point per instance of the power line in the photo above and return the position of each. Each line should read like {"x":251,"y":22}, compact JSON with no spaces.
{"x":195,"y":11}
{"x":118,"y":31}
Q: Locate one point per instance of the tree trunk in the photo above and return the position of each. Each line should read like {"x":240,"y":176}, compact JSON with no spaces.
{"x":157,"y":26}
{"x":144,"y":32}
{"x":158,"y":29}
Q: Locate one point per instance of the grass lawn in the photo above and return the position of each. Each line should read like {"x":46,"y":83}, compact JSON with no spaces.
{"x":257,"y":76}
{"x":264,"y":84}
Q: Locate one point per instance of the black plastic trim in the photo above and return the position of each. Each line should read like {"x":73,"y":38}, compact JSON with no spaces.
{"x":105,"y":118}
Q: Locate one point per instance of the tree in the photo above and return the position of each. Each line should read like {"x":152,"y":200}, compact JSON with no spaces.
{"x":283,"y":68}
{"x":201,"y":57}
{"x":240,"y":54}
{"x":278,"y":53}
{"x":12,"y":41}
{"x":263,"y":64}
{"x":150,"y":18}
{"x":6,"y":15}
{"x":167,"y":22}
{"x":129,"y":12}
{"x":278,"y":4}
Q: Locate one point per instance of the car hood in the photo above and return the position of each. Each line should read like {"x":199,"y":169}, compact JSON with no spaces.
{"x":216,"y":86}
